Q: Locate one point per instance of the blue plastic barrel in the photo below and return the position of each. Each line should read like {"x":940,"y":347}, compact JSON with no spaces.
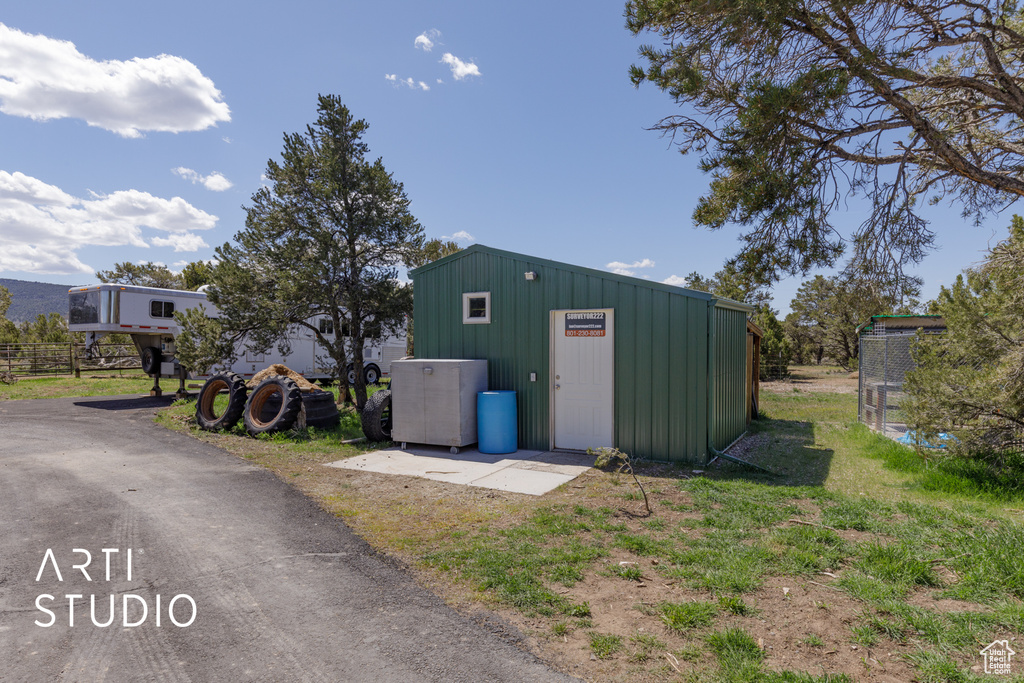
{"x":496,"y":422}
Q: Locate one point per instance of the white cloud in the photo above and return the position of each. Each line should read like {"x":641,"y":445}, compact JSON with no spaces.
{"x":188,"y":241}
{"x":460,"y":236}
{"x":41,"y":226}
{"x":425,"y":41}
{"x":408,"y":82}
{"x":676,"y":281}
{"x":215,"y":181}
{"x":620,"y":268}
{"x":460,"y":69}
{"x":43,"y":78}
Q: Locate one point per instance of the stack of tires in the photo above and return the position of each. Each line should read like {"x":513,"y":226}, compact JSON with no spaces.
{"x":275,"y":405}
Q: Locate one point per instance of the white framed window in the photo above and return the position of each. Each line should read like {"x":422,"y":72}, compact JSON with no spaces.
{"x":476,"y":308}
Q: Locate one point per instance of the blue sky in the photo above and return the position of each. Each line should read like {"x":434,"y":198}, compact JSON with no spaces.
{"x":138,"y":131}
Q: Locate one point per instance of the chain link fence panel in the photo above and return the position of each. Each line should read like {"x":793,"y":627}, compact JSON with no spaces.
{"x":885,"y":359}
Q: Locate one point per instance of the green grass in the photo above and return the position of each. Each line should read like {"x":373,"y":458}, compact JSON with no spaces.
{"x":937,"y":471}
{"x":719,"y":562}
{"x":90,"y":384}
{"x":685,"y":616}
{"x":640,"y":544}
{"x":645,"y":646}
{"x":741,"y":660}
{"x":738,"y":655}
{"x":859,"y":514}
{"x":896,"y":563}
{"x":517,"y":564}
{"x":936,"y":667}
{"x":864,"y":635}
{"x":813,"y":640}
{"x":809,"y":407}
{"x":735,"y":605}
{"x":808,"y":549}
{"x":628,"y":572}
{"x":303,"y":441}
{"x":605,"y":645}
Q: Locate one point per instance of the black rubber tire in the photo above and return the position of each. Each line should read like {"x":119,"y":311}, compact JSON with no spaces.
{"x":284,"y":418}
{"x":351,"y":375}
{"x":151,"y":359}
{"x":206,"y":418}
{"x":376,"y":416}
{"x":372,"y":374}
{"x":321,"y":410}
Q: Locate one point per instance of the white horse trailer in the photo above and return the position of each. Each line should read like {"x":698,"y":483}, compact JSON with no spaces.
{"x":147,"y":314}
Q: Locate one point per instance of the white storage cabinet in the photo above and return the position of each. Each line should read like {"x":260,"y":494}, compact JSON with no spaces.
{"x":434,"y":401}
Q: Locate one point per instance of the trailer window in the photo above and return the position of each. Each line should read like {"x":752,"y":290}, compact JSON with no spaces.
{"x":84,"y":308}
{"x":161,"y":309}
{"x":476,"y":307}
{"x":326,"y":326}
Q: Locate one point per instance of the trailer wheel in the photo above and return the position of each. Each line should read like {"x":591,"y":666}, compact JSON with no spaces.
{"x":151,"y":359}
{"x":376,"y":416}
{"x":372,"y":374}
{"x":206,"y":415}
{"x":291,"y":403}
{"x":350,"y":371}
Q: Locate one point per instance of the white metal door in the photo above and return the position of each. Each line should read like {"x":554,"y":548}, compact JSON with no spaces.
{"x":582,"y":375}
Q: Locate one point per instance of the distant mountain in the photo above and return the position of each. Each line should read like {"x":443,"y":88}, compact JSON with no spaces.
{"x":29,"y":299}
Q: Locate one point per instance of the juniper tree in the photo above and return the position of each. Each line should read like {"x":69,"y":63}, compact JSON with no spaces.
{"x":970,"y":380}
{"x":322,"y":240}
{"x":826,"y":311}
{"x":142,"y":275}
{"x":792,"y":104}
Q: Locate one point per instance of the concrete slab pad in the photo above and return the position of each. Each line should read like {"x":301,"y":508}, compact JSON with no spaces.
{"x":531,"y":472}
{"x":532,"y":482}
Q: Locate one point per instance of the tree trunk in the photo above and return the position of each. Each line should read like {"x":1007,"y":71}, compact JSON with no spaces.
{"x":340,"y":363}
{"x":357,"y":364}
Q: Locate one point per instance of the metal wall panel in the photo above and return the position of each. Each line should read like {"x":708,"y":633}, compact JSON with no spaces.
{"x":661,"y":347}
{"x":730,"y":376}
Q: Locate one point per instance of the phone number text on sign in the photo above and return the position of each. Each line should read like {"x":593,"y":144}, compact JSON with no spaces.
{"x":585,"y":324}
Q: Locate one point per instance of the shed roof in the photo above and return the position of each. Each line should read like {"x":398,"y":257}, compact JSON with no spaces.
{"x":640,"y":282}
{"x":755,"y":329}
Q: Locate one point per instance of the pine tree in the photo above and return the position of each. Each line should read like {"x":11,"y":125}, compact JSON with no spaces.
{"x":322,"y":241}
{"x":970,"y":380}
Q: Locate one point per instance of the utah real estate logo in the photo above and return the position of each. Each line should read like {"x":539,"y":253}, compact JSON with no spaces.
{"x":997,"y":657}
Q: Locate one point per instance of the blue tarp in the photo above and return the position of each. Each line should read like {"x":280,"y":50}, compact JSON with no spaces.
{"x":911,"y":439}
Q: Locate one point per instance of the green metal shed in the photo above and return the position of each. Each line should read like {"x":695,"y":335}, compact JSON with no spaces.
{"x":597,"y":359}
